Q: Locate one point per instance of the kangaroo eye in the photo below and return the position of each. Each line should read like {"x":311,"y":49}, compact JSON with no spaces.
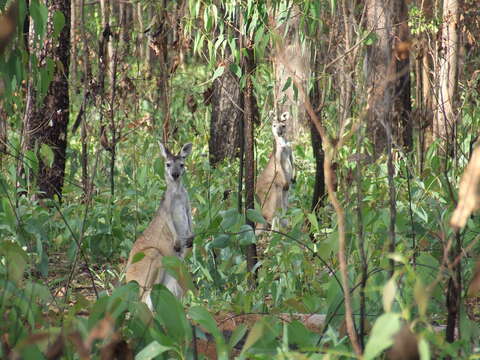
{"x":168,"y":164}
{"x":182,"y":165}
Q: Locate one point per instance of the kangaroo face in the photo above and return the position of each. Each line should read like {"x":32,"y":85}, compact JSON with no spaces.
{"x":279,"y":126}
{"x":175,"y":164}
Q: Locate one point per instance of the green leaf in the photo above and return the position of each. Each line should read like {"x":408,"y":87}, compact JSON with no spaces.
{"x":382,"y":333}
{"x":424,"y":350}
{"x":288,"y":83}
{"x":178,"y":269}
{"x":370,"y":39}
{"x":16,"y":261}
{"x":169,"y":311}
{"x":47,"y":155}
{"x":218,"y":72}
{"x":204,"y":318}
{"x":246,"y":235}
{"x":237,"y":335}
{"x":254,"y":335}
{"x":137,"y":257}
{"x":39,"y":13}
{"x":152,"y":350}
{"x":221,"y":241}
{"x":58,"y":23}
{"x":230,"y":218}
{"x":235,"y":69}
{"x":255,"y":216}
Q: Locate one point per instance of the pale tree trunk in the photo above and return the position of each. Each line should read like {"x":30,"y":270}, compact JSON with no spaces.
{"x":140,"y":44}
{"x":445,"y":117}
{"x":45,"y":123}
{"x":290,"y":61}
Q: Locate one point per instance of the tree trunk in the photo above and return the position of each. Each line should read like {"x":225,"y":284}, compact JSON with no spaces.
{"x":388,"y":75}
{"x":402,"y":106}
{"x":379,"y":20}
{"x":46,"y":122}
{"x":226,"y":116}
{"x":290,"y":60}
{"x":445,"y":118}
{"x":249,"y":67}
{"x":319,"y":187}
{"x":3,"y":131}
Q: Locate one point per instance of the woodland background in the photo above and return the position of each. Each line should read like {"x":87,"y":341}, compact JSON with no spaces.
{"x":384,"y":97}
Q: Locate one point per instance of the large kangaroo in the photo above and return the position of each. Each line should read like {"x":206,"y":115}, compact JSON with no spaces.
{"x":169,"y":233}
{"x":275,"y":180}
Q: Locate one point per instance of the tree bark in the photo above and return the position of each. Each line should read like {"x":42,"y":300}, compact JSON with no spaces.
{"x":46,"y":123}
{"x":445,"y":118}
{"x":289,"y":51}
{"x":226,"y":116}
{"x":388,"y":75}
{"x":379,"y":20}
{"x":249,"y":67}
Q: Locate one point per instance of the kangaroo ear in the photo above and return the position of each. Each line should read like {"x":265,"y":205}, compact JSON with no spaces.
{"x":186,"y":150}
{"x":285,"y":116}
{"x":163,"y":150}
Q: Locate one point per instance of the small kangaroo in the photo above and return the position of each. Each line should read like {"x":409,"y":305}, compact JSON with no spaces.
{"x":169,"y":233}
{"x":275,"y":180}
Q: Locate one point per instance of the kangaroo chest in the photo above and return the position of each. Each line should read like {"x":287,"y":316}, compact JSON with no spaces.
{"x":285,"y":157}
{"x":180,"y":215}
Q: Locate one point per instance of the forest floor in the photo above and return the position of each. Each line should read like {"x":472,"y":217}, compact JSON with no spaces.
{"x":79,"y":280}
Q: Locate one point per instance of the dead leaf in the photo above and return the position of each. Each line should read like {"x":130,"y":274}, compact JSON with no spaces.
{"x":468,"y":194}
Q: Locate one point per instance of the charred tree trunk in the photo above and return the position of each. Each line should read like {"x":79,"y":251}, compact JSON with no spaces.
{"x":319,"y":188}
{"x":226,"y":116}
{"x":46,"y":122}
{"x":248,"y":95}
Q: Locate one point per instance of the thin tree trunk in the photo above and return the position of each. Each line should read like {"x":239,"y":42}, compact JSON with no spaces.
{"x":319,"y":187}
{"x":249,"y":68}
{"x":73,"y":40}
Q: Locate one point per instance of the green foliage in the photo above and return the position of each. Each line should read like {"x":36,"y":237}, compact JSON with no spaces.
{"x":44,"y":243}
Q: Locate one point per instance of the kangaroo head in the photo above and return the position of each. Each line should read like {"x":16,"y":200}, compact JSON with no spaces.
{"x":175,"y":164}
{"x":279,"y":125}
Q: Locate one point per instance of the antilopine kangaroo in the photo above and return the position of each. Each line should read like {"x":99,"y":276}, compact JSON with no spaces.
{"x":169,"y":233}
{"x":275,"y":180}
